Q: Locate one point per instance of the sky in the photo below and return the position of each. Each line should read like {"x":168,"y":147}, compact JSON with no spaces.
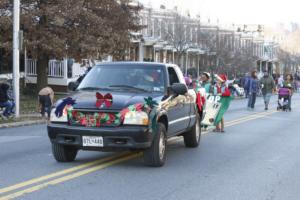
{"x":268,"y":12}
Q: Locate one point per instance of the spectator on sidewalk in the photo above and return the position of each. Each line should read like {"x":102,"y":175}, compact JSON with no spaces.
{"x":6,"y":101}
{"x":46,"y":97}
{"x":268,"y":87}
{"x":252,"y":88}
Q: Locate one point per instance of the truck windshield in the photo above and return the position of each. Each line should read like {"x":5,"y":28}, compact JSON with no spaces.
{"x":138,"y":78}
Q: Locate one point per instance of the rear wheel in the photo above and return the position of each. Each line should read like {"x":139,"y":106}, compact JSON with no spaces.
{"x":155,"y":156}
{"x":64,"y":153}
{"x":192,"y":138}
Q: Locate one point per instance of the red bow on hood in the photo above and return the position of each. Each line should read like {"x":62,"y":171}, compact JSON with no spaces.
{"x":107,"y":99}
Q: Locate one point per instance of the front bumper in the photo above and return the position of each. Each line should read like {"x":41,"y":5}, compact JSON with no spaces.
{"x":114,"y":138}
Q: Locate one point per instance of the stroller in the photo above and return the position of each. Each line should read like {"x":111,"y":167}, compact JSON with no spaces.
{"x":283,"y":99}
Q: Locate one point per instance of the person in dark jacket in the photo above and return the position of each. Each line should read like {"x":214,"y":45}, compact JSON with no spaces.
{"x":252,"y":89}
{"x":6,"y":101}
{"x":244,"y":83}
{"x":268,"y":86}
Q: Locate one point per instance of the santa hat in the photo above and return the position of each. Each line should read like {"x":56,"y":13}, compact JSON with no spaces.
{"x":221,"y":77}
{"x":206,"y":74}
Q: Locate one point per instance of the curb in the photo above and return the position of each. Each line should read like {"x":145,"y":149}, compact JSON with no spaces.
{"x":23,"y":123}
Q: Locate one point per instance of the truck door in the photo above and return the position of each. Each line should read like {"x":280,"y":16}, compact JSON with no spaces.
{"x":177,"y":107}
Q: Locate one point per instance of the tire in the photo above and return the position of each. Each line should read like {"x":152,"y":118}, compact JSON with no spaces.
{"x":192,"y":138}
{"x":155,"y":156}
{"x":64,"y":153}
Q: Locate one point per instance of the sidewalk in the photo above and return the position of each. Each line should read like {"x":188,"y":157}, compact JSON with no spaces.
{"x":24,"y":120}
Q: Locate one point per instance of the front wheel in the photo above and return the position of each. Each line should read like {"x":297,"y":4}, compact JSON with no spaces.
{"x":155,"y":156}
{"x":64,"y":153}
{"x":192,"y":137}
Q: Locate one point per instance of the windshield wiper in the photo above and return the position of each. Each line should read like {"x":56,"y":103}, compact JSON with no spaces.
{"x":93,"y":88}
{"x":129,"y":87}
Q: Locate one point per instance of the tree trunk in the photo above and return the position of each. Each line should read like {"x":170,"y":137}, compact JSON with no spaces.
{"x":178,"y":59}
{"x":42,"y":71}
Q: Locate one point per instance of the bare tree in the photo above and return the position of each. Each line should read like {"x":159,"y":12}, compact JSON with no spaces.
{"x":177,"y":33}
{"x":77,"y":28}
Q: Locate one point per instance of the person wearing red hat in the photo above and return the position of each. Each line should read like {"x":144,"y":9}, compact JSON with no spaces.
{"x":222,"y":90}
{"x":221,"y":77}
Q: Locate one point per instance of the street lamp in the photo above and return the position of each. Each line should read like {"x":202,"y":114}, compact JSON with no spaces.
{"x":16,"y":56}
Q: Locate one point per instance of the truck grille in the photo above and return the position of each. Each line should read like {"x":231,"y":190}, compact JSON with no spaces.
{"x":93,"y":118}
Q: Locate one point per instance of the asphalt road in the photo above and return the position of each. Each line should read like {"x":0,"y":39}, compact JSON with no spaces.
{"x":257,"y":158}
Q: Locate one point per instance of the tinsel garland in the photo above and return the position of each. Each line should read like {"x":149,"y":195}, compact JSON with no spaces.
{"x":99,"y":119}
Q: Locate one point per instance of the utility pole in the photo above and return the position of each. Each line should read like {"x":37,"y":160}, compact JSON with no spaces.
{"x":16,"y":56}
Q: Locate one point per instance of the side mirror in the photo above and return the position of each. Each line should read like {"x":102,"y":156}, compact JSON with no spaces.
{"x":72,"y":86}
{"x":179,"y":88}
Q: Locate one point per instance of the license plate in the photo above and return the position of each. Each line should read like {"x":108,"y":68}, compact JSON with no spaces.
{"x":92,"y":141}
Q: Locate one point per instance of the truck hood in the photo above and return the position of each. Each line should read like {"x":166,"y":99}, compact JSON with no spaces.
{"x":87,"y":99}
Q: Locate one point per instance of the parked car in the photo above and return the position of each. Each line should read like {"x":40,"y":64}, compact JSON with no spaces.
{"x":126,"y":106}
{"x":75,"y":84}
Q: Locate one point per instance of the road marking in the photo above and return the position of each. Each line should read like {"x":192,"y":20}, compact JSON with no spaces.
{"x":59,"y":173}
{"x":252,"y":117}
{"x":249,"y":119}
{"x":70,"y":176}
{"x":231,"y":123}
{"x":282,"y":119}
{"x":71,"y":173}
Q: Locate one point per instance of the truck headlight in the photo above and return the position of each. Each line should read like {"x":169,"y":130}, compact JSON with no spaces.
{"x":136,"y":118}
{"x":63,"y":118}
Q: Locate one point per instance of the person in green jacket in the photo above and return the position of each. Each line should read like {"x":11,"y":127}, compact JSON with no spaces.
{"x":268,"y":86}
{"x":206,"y":82}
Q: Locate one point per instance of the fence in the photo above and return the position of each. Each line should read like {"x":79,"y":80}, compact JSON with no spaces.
{"x":55,"y":68}
{"x":30,"y":67}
